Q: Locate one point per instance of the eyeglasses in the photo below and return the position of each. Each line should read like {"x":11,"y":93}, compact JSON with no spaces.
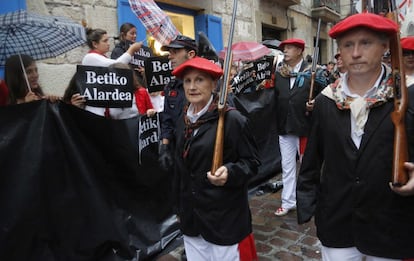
{"x":408,"y":52}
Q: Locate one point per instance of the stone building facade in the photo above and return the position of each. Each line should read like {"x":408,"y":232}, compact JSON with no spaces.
{"x":256,"y":20}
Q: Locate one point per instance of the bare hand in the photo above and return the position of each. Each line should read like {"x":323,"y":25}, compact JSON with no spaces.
{"x":141,"y":70}
{"x":407,"y":189}
{"x":78,"y":100}
{"x":309,"y":105}
{"x":31,"y":96}
{"x":134,"y":48}
{"x":220,"y":176}
{"x":151,"y":112}
{"x":261,"y":86}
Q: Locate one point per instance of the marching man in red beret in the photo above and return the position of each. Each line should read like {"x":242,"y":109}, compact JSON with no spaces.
{"x":407,"y":45}
{"x":344,"y":180}
{"x":291,"y":95}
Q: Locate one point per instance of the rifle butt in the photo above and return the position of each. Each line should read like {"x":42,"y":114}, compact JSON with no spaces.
{"x":218,"y":144}
{"x":400,"y":155}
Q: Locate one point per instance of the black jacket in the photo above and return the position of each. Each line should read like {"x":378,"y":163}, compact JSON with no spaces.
{"x":119,"y":49}
{"x":174,"y":101}
{"x":291,"y":114}
{"x":347,"y":188}
{"x":221,"y":215}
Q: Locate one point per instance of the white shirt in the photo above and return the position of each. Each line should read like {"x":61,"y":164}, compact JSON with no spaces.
{"x":356,"y":133}
{"x":409,"y":79}
{"x":193,"y":117}
{"x":157,"y":101}
{"x":95,"y":59}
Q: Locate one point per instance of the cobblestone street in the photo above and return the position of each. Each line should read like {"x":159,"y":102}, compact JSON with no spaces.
{"x":281,"y":238}
{"x":276,"y":238}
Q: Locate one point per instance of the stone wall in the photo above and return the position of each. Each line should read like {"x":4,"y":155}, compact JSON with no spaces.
{"x":55,"y":73}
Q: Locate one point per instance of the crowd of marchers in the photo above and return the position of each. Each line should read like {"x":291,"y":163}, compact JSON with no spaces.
{"x":336,"y":126}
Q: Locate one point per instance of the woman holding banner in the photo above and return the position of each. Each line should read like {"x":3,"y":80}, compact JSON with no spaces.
{"x":98,"y":42}
{"x":141,"y":103}
{"x":128,"y":36}
{"x":213,"y":208}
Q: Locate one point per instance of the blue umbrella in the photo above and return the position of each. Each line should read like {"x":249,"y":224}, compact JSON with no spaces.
{"x":39,"y":36}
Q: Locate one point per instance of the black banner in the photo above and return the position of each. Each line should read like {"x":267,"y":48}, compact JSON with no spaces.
{"x":206,"y":49}
{"x":252,"y":74}
{"x":264,"y":68}
{"x":158,"y":73}
{"x":148,"y":133}
{"x":105,"y":87}
{"x":259,"y":108}
{"x":140,"y":57}
{"x":71,"y":188}
{"x":76,"y":186}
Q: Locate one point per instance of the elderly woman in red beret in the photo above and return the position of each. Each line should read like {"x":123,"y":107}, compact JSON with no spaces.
{"x":407,"y":45}
{"x":213,"y":208}
{"x":344,"y":180}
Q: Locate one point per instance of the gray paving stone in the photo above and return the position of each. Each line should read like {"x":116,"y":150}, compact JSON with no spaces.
{"x":281,"y":238}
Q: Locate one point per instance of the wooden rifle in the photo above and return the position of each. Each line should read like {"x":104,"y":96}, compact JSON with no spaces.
{"x":221,"y":106}
{"x":315,"y":59}
{"x":399,"y":173}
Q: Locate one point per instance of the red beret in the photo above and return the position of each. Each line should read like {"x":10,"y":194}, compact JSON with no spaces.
{"x":337,"y":56}
{"x":294,"y":41}
{"x":201,"y":64}
{"x":372,"y":21}
{"x":407,"y":43}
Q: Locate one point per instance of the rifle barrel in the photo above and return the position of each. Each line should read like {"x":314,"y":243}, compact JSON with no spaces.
{"x":219,"y":142}
{"x":228,"y":59}
{"x":315,"y":59}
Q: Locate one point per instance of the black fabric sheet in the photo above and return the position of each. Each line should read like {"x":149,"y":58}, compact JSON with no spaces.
{"x":259,"y":107}
{"x":72,"y":188}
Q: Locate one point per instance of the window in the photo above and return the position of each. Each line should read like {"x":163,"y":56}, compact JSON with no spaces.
{"x":186,"y":21}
